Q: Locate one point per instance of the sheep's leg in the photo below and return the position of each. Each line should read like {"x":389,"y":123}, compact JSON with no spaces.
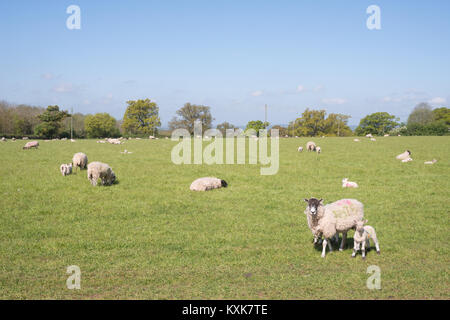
{"x":324,"y":247}
{"x":355,"y":249}
{"x":363,"y":249}
{"x":344,"y":240}
{"x":377,"y":246}
{"x":329,"y":245}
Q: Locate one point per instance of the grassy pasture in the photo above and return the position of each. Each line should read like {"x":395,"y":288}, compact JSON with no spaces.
{"x":150,"y":237}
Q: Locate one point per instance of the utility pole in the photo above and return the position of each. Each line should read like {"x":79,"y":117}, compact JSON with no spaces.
{"x":71,"y":123}
{"x":265,"y":114}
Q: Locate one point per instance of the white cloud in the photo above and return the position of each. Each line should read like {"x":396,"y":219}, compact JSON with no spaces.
{"x":300,"y":88}
{"x":63,"y":87}
{"x":257,"y":93}
{"x":438,"y":100}
{"x":334,"y":101}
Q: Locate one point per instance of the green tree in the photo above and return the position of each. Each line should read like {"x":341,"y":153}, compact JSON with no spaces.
{"x":101,"y":125}
{"x":188,"y":114}
{"x":311,"y":123}
{"x":421,"y":114}
{"x":282,"y":131}
{"x":256,"y":125}
{"x":222,"y":127}
{"x":442,"y":114}
{"x":336,"y":125}
{"x":50,"y":122}
{"x":141,"y":117}
{"x":377,"y":123}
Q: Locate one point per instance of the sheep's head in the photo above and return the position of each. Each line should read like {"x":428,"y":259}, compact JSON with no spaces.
{"x":360,"y":225}
{"x":223,"y":183}
{"x":409,"y":152}
{"x":313,"y":205}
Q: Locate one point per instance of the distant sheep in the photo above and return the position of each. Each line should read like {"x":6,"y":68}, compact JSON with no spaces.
{"x":404,"y":155}
{"x":31,"y":144}
{"x":348,"y":184}
{"x":79,"y":160}
{"x":66,"y":169}
{"x":430,"y":162}
{"x":4,"y":139}
{"x":98,"y":170}
{"x":356,"y":140}
{"x":310,"y":146}
{"x":300,"y":149}
{"x":373,"y":139}
{"x":114,"y":141}
{"x":24,"y":138}
{"x":386,"y":135}
{"x":207,"y":183}
{"x":318,"y":149}
{"x":126,"y":152}
{"x":369,"y":135}
{"x":407,"y":159}
{"x":361,"y":238}
{"x":13,"y":139}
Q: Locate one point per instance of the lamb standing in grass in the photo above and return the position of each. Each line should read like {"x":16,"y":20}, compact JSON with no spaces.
{"x":318,"y":149}
{"x":361,"y":238}
{"x":337,"y":217}
{"x":66,"y":169}
{"x":310,"y":146}
{"x":79,"y":160}
{"x":98,"y":170}
{"x":300,"y":149}
{"x":207,"y":183}
{"x":31,"y":144}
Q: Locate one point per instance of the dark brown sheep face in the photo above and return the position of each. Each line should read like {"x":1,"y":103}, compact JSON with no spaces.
{"x":224,"y":183}
{"x":313,"y":205}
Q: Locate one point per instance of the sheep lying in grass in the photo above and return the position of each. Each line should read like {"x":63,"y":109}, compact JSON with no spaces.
{"x":126,"y":152}
{"x":98,"y":170}
{"x":348,"y":184}
{"x":114,"y":141}
{"x":361,"y":238}
{"x":356,"y":140}
{"x":31,"y":144}
{"x":373,"y":139}
{"x":407,"y":160}
{"x":300,"y":149}
{"x":310,"y":146}
{"x":66,"y":169}
{"x":430,"y":162}
{"x":337,"y":217}
{"x":207,"y":183}
{"x":369,"y":135}
{"x":79,"y":160}
{"x":3,"y":139}
{"x":404,"y":155}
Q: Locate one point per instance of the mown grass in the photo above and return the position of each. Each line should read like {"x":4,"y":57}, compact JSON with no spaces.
{"x":150,"y":237}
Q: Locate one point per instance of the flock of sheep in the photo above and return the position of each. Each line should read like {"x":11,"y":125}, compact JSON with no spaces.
{"x":325,"y":221}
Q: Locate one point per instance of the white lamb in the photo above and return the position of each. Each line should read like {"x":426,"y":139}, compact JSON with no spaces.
{"x":348,"y":184}
{"x":404,"y":155}
{"x":369,"y":135}
{"x":430,"y":162}
{"x":66,"y":169}
{"x":207,"y":183}
{"x":356,"y":140}
{"x":79,"y":160}
{"x":98,"y":170}
{"x":373,"y":139}
{"x":318,"y":149}
{"x":407,"y":160}
{"x":361,"y":238}
{"x":300,"y":149}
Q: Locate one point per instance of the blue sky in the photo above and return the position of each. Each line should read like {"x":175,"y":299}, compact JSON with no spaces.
{"x":234,"y":56}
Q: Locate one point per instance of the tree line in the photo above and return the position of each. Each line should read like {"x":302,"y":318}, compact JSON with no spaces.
{"x":141,"y":118}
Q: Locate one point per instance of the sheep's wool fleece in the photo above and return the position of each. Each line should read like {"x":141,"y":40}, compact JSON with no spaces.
{"x":340,"y":216}
{"x":205,"y":184}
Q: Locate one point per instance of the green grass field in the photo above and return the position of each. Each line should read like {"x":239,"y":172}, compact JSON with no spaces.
{"x":150,"y":237}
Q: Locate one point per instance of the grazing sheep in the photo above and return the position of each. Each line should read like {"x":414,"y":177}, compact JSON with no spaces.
{"x":300,"y":149}
{"x":80,"y":160}
{"x":207,"y":183}
{"x":318,"y":149}
{"x":310,"y":146}
{"x":31,"y":144}
{"x":361,"y":238}
{"x":407,"y":159}
{"x":98,"y":170}
{"x":72,"y":140}
{"x":151,"y":137}
{"x":404,"y":155}
{"x":114,"y":141}
{"x":430,"y":162}
{"x":337,"y":217}
{"x":348,"y":184}
{"x":66,"y":169}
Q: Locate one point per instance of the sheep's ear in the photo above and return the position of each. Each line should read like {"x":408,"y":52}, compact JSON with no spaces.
{"x":306,"y":200}
{"x":321,"y":201}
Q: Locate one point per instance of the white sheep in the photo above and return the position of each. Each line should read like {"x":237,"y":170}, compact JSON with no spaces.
{"x":386,"y":135}
{"x":13,"y":139}
{"x":98,"y":170}
{"x":369,"y":135}
{"x":361,"y":238}
{"x":3,"y":139}
{"x":404,"y":155}
{"x":79,"y":160}
{"x":337,"y":217}
{"x":31,"y":144}
{"x":310,"y":146}
{"x":407,"y":159}
{"x":373,"y":139}
{"x":300,"y":149}
{"x":356,"y":140}
{"x":430,"y":162}
{"x":312,"y":217}
{"x":72,"y":140}
{"x":114,"y":141}
{"x":66,"y":169}
{"x":318,"y":149}
{"x":24,"y":138}
{"x":207,"y":183}
{"x":348,"y":184}
{"x":126,"y":152}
